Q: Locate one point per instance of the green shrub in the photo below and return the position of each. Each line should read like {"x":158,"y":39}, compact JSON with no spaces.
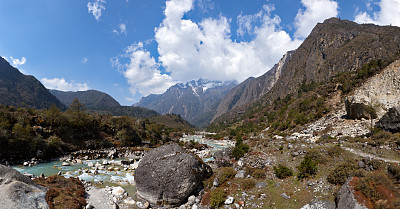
{"x":218,"y":196}
{"x":248,"y":184}
{"x":259,"y":174}
{"x":335,"y":151}
{"x":240,"y":149}
{"x":282,"y":171}
{"x":225,"y":173}
{"x":307,"y":168}
{"x":341,"y":173}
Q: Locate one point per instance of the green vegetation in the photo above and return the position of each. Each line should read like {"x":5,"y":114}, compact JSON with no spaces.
{"x":307,"y":168}
{"x":24,"y":131}
{"x":218,"y":196}
{"x":379,"y":190}
{"x":259,"y":174}
{"x":282,"y":171}
{"x":341,"y":172}
{"x":225,"y":173}
{"x":63,"y":192}
{"x":248,"y":184}
{"x":240,"y":149}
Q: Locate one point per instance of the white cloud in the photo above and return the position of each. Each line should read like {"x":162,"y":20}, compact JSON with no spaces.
{"x":205,"y":50}
{"x":96,"y":7}
{"x":18,"y":62}
{"x":315,"y":11}
{"x":84,"y":60}
{"x":62,"y":85}
{"x":122,"y":28}
{"x":141,"y":72}
{"x":389,"y":14}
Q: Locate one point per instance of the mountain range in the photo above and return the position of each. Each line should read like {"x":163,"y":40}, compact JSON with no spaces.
{"x":195,"y":101}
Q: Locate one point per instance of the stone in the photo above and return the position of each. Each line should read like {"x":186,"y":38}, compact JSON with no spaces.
{"x":89,"y":206}
{"x":90,"y":164}
{"x":358,"y":107}
{"x":41,"y":175}
{"x":240,"y":174}
{"x":26,"y":163}
{"x":19,"y":191}
{"x":195,"y":206}
{"x":261,"y":185}
{"x":391,"y":120}
{"x":284,"y":195}
{"x":129,"y":201}
{"x":229,"y":200}
{"x":65,"y":164}
{"x":191,"y":200}
{"x":361,"y":164}
{"x":215,"y":182}
{"x":118,"y":191}
{"x":168,"y":175}
{"x":345,"y":197}
{"x":320,"y":205}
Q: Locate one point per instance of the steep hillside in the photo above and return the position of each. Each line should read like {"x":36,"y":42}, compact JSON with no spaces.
{"x":195,"y":101}
{"x":17,"y":89}
{"x":338,"y":55}
{"x":252,"y":88}
{"x":92,"y":99}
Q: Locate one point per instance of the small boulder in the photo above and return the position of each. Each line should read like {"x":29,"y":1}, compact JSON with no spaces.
{"x":168,"y":175}
{"x":229,"y":200}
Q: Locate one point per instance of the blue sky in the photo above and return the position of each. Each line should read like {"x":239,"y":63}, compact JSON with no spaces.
{"x":132,"y":48}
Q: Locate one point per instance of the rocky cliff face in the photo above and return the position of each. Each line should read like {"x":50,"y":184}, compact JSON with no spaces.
{"x":333,"y":47}
{"x":195,"y":101}
{"x":252,"y":88}
{"x":382,"y":91}
{"x":17,"y":89}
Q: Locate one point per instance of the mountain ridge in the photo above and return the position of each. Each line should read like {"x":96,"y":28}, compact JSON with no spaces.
{"x":17,"y":89}
{"x":193,"y":100}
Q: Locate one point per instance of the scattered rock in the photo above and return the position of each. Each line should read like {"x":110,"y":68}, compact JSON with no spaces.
{"x":65,"y":164}
{"x":167,"y":175}
{"x":215,"y":182}
{"x":261,"y":185}
{"x":320,"y":205}
{"x":229,"y":200}
{"x":284,"y":195}
{"x":240,"y":174}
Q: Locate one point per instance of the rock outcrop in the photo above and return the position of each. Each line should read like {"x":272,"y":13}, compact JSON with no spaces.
{"x":345,"y":197}
{"x":168,"y":175}
{"x":391,"y":120}
{"x":19,"y":191}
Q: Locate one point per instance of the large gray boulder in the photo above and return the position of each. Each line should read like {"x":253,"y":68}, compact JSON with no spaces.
{"x":358,"y":107}
{"x":345,"y":197}
{"x":19,"y":191}
{"x":391,"y":120}
{"x":168,"y":175}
